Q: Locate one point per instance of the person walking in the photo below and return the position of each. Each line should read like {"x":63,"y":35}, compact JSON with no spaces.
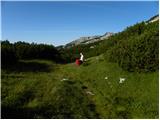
{"x":81,"y":58}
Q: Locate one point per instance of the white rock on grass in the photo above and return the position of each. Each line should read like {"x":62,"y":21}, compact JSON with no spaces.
{"x":121,"y":80}
{"x":90,"y":93}
{"x":92,"y":47}
{"x":64,"y":79}
{"x":106,"y":78}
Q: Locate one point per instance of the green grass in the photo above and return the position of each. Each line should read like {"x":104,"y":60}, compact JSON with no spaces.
{"x":33,"y":89}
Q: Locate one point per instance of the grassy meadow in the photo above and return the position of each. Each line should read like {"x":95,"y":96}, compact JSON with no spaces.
{"x":119,"y":76}
{"x":44,"y":89}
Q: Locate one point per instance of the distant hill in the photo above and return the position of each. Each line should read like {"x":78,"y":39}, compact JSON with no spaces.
{"x":96,"y":38}
{"x":89,"y":39}
{"x":133,"y":41}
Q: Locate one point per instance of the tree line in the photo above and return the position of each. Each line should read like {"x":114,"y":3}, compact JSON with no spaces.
{"x":12,"y":52}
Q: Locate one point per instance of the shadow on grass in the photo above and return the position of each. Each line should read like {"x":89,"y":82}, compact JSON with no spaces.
{"x":72,"y":103}
{"x":121,"y":108}
{"x":86,"y":63}
{"x":13,"y":107}
{"x":68,"y":102}
{"x":10,"y":113}
{"x":22,"y":66}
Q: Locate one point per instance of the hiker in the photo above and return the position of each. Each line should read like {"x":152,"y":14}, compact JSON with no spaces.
{"x":81,"y":58}
{"x":80,"y":61}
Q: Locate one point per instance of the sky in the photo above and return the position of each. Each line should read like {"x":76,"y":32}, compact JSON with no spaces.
{"x":58,"y":23}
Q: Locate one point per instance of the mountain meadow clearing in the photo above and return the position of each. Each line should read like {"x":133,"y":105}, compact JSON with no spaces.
{"x":119,"y":78}
{"x":46,"y":90}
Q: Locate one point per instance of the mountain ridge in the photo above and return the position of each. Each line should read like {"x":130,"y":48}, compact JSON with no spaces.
{"x":89,"y":39}
{"x":96,"y":38}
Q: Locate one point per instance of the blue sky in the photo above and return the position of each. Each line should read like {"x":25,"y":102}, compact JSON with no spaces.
{"x":58,"y":23}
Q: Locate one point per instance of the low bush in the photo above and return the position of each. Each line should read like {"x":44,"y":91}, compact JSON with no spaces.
{"x":138,"y":52}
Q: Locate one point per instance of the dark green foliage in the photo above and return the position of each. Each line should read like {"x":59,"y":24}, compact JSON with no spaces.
{"x":8,"y":54}
{"x":30,"y":66}
{"x":137,"y":48}
{"x":23,"y":50}
{"x":35,"y":51}
{"x":70,"y":54}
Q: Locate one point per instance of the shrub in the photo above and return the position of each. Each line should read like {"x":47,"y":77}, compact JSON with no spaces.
{"x":138,"y":52}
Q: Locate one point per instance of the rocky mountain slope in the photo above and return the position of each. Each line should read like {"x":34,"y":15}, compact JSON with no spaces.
{"x":89,"y":39}
{"x":153,"y":19}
